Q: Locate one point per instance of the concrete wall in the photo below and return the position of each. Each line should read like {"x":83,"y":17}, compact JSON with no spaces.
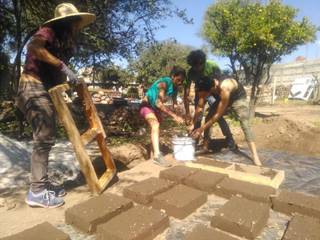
{"x":283,"y":75}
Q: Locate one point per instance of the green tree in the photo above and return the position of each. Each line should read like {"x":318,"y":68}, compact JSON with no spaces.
{"x":114,"y":76}
{"x":158,"y":59}
{"x":18,"y":21}
{"x":254,"y":35}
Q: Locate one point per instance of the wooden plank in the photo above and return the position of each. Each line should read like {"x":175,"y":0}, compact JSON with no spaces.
{"x":74,"y":137}
{"x":60,"y":88}
{"x":89,"y":135}
{"x":106,"y":155}
{"x":96,"y":131}
{"x":95,"y":122}
{"x":278,"y":179}
{"x":105,"y":179}
{"x":274,"y":182}
{"x":89,"y":107}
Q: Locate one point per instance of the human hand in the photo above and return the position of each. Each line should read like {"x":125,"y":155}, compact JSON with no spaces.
{"x":196,"y":133}
{"x":190,"y":128}
{"x":188,"y":119}
{"x":179,"y":119}
{"x":69,"y":73}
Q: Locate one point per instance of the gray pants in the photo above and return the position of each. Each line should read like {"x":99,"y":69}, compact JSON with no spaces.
{"x":35,"y":103}
{"x":240,"y":109}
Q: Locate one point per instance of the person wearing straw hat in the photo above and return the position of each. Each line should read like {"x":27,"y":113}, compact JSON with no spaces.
{"x":48,"y":52}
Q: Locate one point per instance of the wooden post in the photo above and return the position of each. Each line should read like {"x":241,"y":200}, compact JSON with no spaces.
{"x":74,"y":136}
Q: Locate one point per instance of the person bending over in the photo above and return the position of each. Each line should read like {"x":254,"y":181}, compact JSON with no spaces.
{"x":230,"y":95}
{"x":202,"y":72}
{"x":153,"y":105}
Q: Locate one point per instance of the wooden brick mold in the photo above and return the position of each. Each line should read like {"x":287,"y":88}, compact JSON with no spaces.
{"x":247,"y":173}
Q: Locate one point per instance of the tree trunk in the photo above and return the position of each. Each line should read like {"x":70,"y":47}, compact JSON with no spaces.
{"x":250,"y":78}
{"x":17,"y":62}
{"x":233,"y":67}
{"x":252,"y":103}
{"x":94,"y":70}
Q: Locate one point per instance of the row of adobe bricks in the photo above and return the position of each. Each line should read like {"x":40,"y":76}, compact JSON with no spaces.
{"x":179,"y":192}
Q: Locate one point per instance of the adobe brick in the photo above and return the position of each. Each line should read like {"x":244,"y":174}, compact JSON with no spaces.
{"x":43,"y":231}
{"x":177,"y":173}
{"x":293,"y":202}
{"x":204,"y":180}
{"x":179,"y":201}
{"x":87,"y":215}
{"x":138,"y":223}
{"x":144,"y":191}
{"x":242,"y":217}
{"x":303,"y":227}
{"x":229,"y":187}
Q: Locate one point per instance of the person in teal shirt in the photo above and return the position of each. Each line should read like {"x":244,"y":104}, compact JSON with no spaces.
{"x":153,"y":105}
{"x":202,"y":72}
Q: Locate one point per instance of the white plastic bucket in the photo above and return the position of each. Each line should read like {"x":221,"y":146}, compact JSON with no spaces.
{"x":183,"y":148}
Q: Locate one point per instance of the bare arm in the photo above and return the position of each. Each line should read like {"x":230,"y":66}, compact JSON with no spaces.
{"x":186,"y":98}
{"x":227,"y":86}
{"x":174,"y":100}
{"x":37,"y":47}
{"x":200,"y":106}
{"x":160,"y":105}
{"x":222,"y":106}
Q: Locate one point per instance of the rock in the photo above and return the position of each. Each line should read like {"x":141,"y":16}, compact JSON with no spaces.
{"x":10,"y":205}
{"x":2,"y":202}
{"x":282,"y":130}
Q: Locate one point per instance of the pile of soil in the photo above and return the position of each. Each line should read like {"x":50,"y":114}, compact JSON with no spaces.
{"x":121,"y":120}
{"x":283,"y":134}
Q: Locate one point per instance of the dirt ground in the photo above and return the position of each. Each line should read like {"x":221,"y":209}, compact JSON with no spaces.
{"x":291,"y":128}
{"x":294,"y":129}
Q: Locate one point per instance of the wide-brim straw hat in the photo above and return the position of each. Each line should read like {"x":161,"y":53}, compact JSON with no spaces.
{"x":68,"y":10}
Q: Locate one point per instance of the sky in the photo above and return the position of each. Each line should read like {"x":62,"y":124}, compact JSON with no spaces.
{"x":189,"y":34}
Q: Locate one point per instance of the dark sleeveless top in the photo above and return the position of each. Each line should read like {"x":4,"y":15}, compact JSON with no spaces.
{"x":49,"y":75}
